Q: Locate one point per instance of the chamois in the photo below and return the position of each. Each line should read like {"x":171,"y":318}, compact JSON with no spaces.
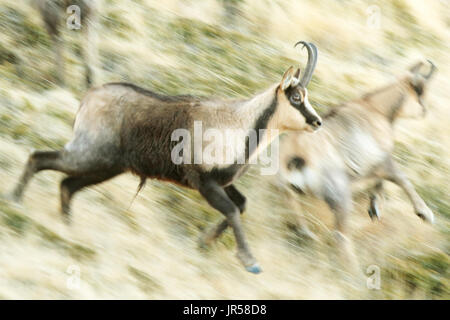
{"x":53,"y":14}
{"x":120,"y":128}
{"x":355,"y":142}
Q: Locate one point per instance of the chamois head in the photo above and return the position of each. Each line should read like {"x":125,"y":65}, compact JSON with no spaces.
{"x":296,"y":113}
{"x":416,"y":83}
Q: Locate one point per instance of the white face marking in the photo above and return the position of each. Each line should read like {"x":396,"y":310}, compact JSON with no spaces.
{"x":308,"y":106}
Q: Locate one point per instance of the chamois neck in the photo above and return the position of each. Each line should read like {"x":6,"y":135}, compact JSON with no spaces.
{"x":260,"y":110}
{"x":258,"y":102}
{"x":387,"y":100}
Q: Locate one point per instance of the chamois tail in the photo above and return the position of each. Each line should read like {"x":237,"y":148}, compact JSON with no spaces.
{"x":139,"y":188}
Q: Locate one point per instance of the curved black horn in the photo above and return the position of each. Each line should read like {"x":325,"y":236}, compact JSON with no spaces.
{"x":311,"y":64}
{"x":432,"y":69}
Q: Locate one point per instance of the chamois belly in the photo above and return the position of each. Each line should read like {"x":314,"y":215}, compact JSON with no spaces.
{"x":151,"y":157}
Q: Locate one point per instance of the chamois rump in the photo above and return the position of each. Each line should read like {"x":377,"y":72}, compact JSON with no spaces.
{"x":54,"y":15}
{"x":120,"y":128}
{"x":356,"y":142}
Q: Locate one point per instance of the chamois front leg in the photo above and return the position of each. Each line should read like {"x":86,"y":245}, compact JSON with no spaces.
{"x":374,"y":211}
{"x":216,"y":231}
{"x":393,"y":173}
{"x":219,"y":200}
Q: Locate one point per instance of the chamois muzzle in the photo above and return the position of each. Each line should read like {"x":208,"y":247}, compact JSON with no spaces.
{"x":314,"y":121}
{"x":317,"y":123}
{"x":311,"y":64}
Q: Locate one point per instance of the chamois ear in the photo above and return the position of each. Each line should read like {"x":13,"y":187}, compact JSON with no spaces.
{"x":297,"y":74}
{"x":288,"y":77}
{"x":296,"y":79}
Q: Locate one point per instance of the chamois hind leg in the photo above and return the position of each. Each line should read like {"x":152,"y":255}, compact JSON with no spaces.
{"x":300,"y":221}
{"x":337,"y":195}
{"x":393,"y":173}
{"x":374,"y":211}
{"x":38,"y":160}
{"x":220,"y":200}
{"x":72,"y":163}
{"x":70,"y":185}
{"x":216,"y":231}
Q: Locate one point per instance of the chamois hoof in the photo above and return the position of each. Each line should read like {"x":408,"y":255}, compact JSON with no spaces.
{"x":12,"y":197}
{"x":426,"y":215}
{"x":205,"y":241}
{"x":255,"y":268}
{"x":374,"y":212}
{"x":250,"y":264}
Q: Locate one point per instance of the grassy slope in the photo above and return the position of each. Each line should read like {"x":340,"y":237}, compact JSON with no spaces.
{"x":149,"y":250}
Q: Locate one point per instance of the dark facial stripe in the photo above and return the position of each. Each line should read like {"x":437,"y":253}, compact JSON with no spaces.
{"x":261,"y":123}
{"x":309,"y":117}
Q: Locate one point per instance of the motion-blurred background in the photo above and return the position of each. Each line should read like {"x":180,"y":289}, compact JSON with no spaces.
{"x":229,"y":49}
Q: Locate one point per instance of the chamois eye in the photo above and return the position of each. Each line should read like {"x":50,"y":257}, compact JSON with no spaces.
{"x":296,"y":97}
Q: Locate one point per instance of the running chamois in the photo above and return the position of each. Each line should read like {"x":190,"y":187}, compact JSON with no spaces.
{"x":355,"y":142}
{"x":121,"y":127}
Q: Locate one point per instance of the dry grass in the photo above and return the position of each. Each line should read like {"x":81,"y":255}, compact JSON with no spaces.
{"x":149,"y":250}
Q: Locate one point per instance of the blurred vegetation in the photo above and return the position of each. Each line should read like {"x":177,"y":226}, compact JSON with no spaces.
{"x":22,"y":225}
{"x":228,"y":49}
